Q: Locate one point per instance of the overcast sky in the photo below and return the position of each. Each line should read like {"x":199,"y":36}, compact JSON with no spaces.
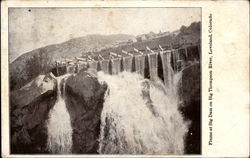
{"x":30,"y":29}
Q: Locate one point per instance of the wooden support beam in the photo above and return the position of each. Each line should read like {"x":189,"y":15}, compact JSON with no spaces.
{"x":70,"y":63}
{"x":125,"y":52}
{"x":62,"y":62}
{"x":115,"y":54}
{"x":161,"y":48}
{"x":81,"y":59}
{"x":149,"y":49}
{"x":111,"y":57}
{"x":99,"y":55}
{"x":68,"y":60}
{"x":140,"y":52}
{"x":90,"y":58}
{"x":82,"y":62}
{"x":136,"y":50}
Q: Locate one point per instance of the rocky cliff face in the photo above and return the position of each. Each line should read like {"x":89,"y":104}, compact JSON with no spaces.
{"x":190,"y":93}
{"x":29,"y":111}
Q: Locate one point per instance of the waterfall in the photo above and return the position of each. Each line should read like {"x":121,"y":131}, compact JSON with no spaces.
{"x":59,"y":125}
{"x":175,"y":57}
{"x":140,"y":64}
{"x":153,"y":65}
{"x":98,"y":68}
{"x":140,"y":116}
{"x":167,"y":68}
{"x":93,"y":65}
{"x":105,"y":66}
{"x":127,"y":63}
{"x":116,"y":65}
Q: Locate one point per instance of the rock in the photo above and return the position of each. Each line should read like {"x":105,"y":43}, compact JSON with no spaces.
{"x":33,"y":90}
{"x":190,"y":91}
{"x":191,"y":84}
{"x":84,"y":100}
{"x":30,"y":106}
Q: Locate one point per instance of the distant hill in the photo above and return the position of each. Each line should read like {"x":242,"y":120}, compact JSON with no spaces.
{"x":29,"y":65}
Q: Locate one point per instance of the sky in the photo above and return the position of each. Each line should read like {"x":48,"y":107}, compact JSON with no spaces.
{"x":32,"y":28}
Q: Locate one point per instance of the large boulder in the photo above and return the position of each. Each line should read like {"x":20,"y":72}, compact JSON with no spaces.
{"x":84,"y":100}
{"x":29,"y":111}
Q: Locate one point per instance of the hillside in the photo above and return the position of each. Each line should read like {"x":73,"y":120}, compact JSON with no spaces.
{"x":41,"y":60}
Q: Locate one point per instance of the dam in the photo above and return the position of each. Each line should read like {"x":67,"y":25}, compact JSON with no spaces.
{"x":150,"y":63}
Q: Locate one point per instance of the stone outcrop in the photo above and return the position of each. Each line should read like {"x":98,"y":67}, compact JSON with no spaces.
{"x":84,"y":100}
{"x":29,"y":111}
{"x":33,"y":90}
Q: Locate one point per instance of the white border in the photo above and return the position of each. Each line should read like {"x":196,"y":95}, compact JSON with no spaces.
{"x":231,"y":72}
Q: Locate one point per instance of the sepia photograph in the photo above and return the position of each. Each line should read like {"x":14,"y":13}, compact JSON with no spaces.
{"x":105,"y":80}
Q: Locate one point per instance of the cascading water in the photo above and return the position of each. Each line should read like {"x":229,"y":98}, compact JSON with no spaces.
{"x":93,"y":65}
{"x":153,"y":66}
{"x":140,"y":116}
{"x":127,"y":63}
{"x":105,"y":66}
{"x":140,"y":64}
{"x":116,"y":65}
{"x":175,"y":56}
{"x":167,"y":68}
{"x":59,"y":124}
